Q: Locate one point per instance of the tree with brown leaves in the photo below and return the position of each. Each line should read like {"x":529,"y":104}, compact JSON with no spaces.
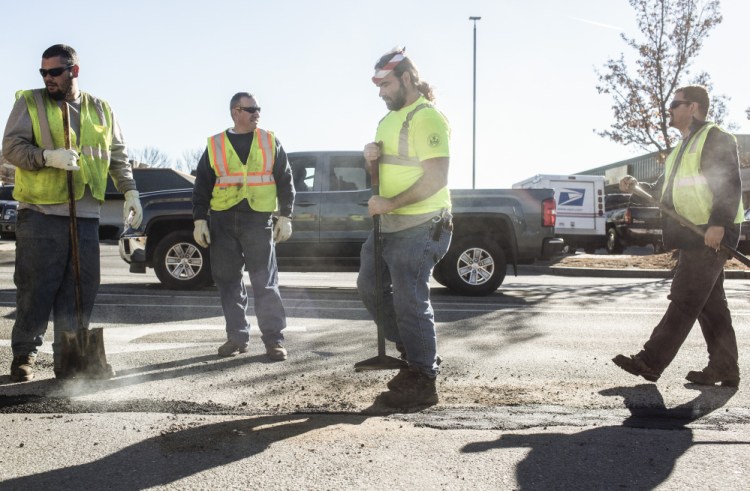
{"x":673,"y":34}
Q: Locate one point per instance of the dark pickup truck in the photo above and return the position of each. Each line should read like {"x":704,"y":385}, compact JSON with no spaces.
{"x":631,"y":221}
{"x":493,"y":228}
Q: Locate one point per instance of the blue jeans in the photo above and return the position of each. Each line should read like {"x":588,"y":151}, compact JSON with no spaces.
{"x":408,"y":319}
{"x":44,"y":278}
{"x":239,"y":242}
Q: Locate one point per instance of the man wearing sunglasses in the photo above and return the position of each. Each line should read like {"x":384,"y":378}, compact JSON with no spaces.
{"x":34,"y":142}
{"x":411,"y":152}
{"x":242,"y":178}
{"x":701,"y":182}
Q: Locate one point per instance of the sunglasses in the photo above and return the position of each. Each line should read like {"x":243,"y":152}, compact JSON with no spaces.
{"x":55,"y":72}
{"x":251,"y":109}
{"x":676,"y":104}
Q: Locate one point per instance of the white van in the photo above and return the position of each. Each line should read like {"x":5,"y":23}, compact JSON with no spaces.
{"x":581,"y":220}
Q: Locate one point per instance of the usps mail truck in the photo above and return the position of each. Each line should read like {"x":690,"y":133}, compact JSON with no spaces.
{"x":581,"y":220}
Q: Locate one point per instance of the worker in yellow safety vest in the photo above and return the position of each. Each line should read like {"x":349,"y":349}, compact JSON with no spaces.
{"x":242,"y":178}
{"x":34,"y":142}
{"x":702,"y":183}
{"x":411,"y":151}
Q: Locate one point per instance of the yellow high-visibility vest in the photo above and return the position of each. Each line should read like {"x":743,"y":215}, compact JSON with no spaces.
{"x":49,"y":185}
{"x":236,"y":181}
{"x":691,"y":196}
{"x":399,"y":171}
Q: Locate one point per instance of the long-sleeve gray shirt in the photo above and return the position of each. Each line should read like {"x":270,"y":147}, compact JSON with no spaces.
{"x":21,"y":151}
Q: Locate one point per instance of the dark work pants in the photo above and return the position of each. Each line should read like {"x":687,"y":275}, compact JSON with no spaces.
{"x":244,"y":242}
{"x":44,"y":278}
{"x":697,"y":293}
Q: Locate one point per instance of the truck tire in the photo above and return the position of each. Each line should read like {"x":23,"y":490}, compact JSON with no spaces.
{"x":180,"y":263}
{"x":614,"y":246}
{"x":473,"y":266}
{"x":437,"y":275}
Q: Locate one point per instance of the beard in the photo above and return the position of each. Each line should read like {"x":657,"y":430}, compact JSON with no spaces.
{"x":398,"y":100}
{"x":62,"y":90}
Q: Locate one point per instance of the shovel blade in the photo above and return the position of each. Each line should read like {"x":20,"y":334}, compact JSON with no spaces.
{"x":380,"y":362}
{"x":83,"y":355}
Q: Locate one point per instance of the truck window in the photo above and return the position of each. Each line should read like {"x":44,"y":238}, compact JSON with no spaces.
{"x":303,"y":172}
{"x":348,"y":174}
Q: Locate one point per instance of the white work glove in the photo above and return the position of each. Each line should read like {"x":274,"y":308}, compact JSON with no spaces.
{"x":282,"y":230}
{"x":61,"y":158}
{"x":201,"y":234}
{"x":132,"y":213}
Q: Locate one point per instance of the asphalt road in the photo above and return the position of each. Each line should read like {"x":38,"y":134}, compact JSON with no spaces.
{"x":529,"y":396}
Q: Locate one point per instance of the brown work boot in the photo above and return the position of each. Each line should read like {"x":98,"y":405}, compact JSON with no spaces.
{"x":22,"y":368}
{"x":636,"y":366}
{"x":276,"y":351}
{"x":413,"y":389}
{"x":230,"y":348}
{"x":709,"y":376}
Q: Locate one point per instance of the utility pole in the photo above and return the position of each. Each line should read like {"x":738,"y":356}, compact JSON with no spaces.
{"x":474,"y":127}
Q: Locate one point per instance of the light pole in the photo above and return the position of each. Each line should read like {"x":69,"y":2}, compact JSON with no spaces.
{"x":474,"y":127}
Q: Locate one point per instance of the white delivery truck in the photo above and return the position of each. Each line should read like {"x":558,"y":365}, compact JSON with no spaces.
{"x":581,"y":220}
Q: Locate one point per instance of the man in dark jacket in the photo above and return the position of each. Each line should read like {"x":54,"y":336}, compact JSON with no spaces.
{"x":702,"y":183}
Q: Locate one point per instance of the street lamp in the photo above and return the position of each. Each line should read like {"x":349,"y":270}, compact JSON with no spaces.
{"x":474,"y":127}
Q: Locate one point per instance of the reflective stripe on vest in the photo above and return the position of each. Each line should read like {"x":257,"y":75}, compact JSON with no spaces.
{"x":236,"y":181}
{"x":224,"y":177}
{"x":48,"y":185}
{"x":691,"y":195}
{"x":403,"y":143}
{"x":406,"y":170}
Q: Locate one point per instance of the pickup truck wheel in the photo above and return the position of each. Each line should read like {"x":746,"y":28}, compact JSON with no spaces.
{"x":614,"y":246}
{"x":437,"y":275}
{"x":473,"y":266}
{"x":180,"y":263}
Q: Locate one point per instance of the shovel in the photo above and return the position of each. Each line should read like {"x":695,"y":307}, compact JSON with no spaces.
{"x":382,"y":361}
{"x":83,"y":349}
{"x":690,"y":225}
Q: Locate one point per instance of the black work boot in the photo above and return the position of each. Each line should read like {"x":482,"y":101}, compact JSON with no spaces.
{"x":22,"y":368}
{"x":413,"y":389}
{"x":709,"y":376}
{"x":403,"y":373}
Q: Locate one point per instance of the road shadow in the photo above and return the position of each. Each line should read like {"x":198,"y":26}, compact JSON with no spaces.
{"x":632,"y":455}
{"x":182,"y":451}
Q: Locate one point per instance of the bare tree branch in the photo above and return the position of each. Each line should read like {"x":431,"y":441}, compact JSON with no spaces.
{"x":189,"y":159}
{"x":151,"y":156}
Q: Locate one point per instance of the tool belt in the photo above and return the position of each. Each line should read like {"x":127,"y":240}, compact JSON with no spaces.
{"x":444,"y":221}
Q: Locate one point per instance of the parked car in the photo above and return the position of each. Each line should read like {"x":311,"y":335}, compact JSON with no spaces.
{"x":744,"y":245}
{"x":631,"y":221}
{"x":111,"y":224}
{"x":8,"y":211}
{"x":147,"y":179}
{"x":493,"y":228}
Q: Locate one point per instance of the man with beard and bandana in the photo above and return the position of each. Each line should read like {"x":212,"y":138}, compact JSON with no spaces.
{"x":34,"y":143}
{"x":411,"y":152}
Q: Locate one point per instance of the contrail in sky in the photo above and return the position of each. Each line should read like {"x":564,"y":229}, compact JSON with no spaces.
{"x":595,"y":23}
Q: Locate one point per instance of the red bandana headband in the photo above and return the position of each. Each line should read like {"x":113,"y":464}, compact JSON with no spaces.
{"x":381,"y":73}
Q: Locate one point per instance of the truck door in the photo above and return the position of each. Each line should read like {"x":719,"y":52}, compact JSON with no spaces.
{"x":306,"y":218}
{"x":345,"y":223}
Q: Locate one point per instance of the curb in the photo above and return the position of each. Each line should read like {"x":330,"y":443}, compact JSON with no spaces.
{"x":732,"y":274}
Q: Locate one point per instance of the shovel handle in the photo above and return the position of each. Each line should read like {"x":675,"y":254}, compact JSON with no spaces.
{"x":74,"y":251}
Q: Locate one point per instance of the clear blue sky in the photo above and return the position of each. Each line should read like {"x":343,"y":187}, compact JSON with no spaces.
{"x":168,"y":69}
